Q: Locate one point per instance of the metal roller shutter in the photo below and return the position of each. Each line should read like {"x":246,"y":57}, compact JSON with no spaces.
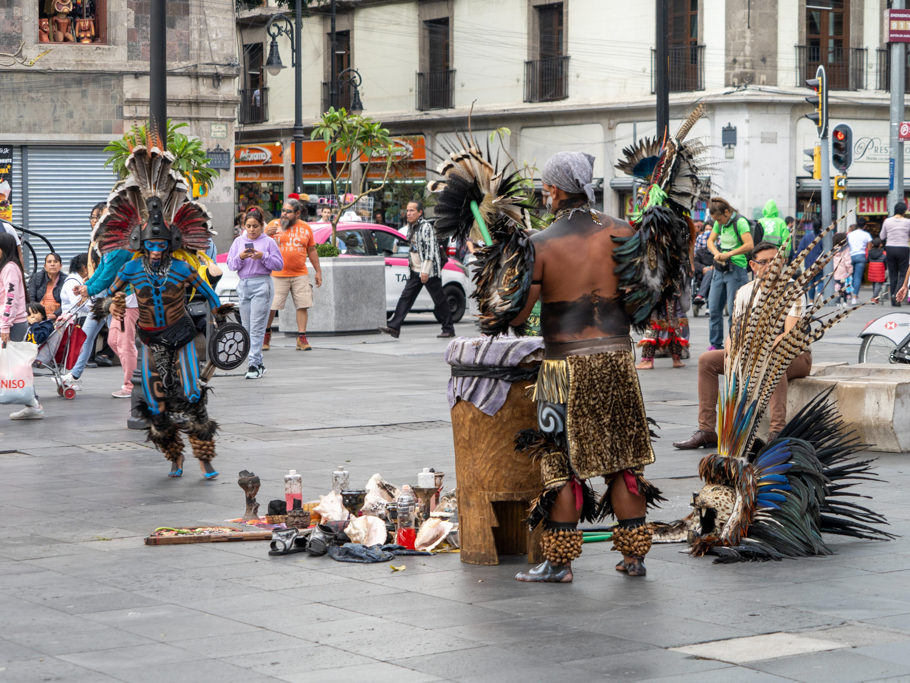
{"x":64,"y":183}
{"x":17,"y":185}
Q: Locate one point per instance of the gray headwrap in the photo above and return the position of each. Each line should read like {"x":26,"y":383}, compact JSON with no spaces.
{"x":571,"y":172}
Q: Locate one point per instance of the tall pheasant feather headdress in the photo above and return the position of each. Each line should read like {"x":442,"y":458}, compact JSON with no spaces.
{"x":478,"y":197}
{"x":127,"y":212}
{"x":653,"y":264}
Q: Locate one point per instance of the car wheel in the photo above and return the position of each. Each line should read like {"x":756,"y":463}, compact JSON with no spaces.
{"x":457,"y":303}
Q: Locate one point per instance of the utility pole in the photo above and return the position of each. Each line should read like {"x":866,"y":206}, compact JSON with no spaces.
{"x":333,"y":79}
{"x":158,"y":69}
{"x":661,"y":69}
{"x":298,"y":104}
{"x":895,"y":146}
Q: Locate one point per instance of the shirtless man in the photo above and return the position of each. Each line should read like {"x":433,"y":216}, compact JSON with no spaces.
{"x":590,"y":410}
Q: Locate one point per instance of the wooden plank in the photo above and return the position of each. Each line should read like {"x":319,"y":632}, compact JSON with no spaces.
{"x":209,"y":538}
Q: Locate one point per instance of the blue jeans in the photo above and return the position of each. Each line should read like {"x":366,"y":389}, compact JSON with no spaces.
{"x":254,"y":299}
{"x":723,"y":292}
{"x":91,"y":327}
{"x":859,"y":264}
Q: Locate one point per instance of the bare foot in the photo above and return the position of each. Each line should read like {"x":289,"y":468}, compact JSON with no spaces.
{"x":633,"y":566}
{"x":677,"y":363}
{"x":546,"y":572}
{"x":645,"y":365}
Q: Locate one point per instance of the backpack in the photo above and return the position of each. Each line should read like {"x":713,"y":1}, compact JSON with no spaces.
{"x":758,"y":232}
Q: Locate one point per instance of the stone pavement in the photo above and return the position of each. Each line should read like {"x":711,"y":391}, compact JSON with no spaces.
{"x":82,"y":599}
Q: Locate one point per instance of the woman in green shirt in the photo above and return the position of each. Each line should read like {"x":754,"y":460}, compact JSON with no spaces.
{"x":730,"y":242}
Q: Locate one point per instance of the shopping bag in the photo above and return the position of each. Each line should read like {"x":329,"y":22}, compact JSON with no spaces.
{"x":17,"y":383}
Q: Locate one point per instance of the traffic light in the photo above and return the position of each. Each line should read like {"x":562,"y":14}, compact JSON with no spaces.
{"x":842,"y":147}
{"x":840,"y":187}
{"x":820,"y":101}
{"x":815,"y":168}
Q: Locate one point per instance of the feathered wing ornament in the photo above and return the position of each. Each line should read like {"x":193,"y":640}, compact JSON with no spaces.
{"x":653,"y":264}
{"x":476,"y":194}
{"x":771,"y":501}
{"x":151,"y":175}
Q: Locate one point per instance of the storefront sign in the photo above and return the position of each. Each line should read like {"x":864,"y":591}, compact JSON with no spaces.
{"x":898,"y":21}
{"x":6,"y":182}
{"x":258,"y":174}
{"x":219,"y":158}
{"x":873,"y":205}
{"x":258,"y":155}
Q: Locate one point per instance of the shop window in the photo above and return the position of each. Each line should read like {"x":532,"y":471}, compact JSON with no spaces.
{"x":77,"y":22}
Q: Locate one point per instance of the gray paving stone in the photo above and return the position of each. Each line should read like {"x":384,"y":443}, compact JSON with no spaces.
{"x":643,"y":664}
{"x":836,"y":666}
{"x":375,"y":672}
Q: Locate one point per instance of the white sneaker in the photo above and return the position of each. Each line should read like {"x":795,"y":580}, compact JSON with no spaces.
{"x":253,"y":373}
{"x":35,"y":412}
{"x":70,"y":381}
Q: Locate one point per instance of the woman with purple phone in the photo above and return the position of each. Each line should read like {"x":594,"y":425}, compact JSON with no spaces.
{"x":254,"y":256}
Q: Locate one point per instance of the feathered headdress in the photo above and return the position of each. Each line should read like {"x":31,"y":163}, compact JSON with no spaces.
{"x":127,"y":212}
{"x":477,"y":197}
{"x":653,"y":264}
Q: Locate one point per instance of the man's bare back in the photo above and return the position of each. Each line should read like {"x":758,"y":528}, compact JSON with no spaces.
{"x":578,"y":289}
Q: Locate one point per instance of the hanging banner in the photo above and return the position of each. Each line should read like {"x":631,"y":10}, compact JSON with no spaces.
{"x":6,"y":180}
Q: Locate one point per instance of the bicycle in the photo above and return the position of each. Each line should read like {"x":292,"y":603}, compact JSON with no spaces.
{"x":886,"y":340}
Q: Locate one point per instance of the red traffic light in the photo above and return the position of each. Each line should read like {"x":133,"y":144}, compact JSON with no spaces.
{"x":839,"y":135}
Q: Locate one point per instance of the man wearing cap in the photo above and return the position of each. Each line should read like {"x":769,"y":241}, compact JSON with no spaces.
{"x":591,"y":416}
{"x":296,"y":242}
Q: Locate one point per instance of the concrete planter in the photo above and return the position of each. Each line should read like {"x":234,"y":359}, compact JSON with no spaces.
{"x":351,"y":299}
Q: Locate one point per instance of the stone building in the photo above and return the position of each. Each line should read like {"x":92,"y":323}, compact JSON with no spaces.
{"x":71,"y":81}
{"x":578,"y":74}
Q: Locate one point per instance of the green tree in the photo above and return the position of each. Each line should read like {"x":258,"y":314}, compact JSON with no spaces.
{"x":190,"y":159}
{"x":351,"y":137}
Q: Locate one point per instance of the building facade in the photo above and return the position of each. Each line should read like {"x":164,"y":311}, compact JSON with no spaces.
{"x":579,"y":75}
{"x":74,"y":76}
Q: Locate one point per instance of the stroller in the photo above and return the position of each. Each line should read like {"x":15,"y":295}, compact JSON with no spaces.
{"x":61,"y":349}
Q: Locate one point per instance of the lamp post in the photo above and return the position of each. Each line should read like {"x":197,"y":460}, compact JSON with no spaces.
{"x":353,"y":78}
{"x":280,"y":25}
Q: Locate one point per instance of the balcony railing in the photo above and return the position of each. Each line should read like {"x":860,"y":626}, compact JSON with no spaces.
{"x":254,"y":105}
{"x":435,"y":89}
{"x":547,"y":79}
{"x":686,"y":68}
{"x":344,"y":95}
{"x":883,"y":70}
{"x":845,"y":68}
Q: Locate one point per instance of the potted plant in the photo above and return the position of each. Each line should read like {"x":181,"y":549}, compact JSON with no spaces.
{"x":352,"y":296}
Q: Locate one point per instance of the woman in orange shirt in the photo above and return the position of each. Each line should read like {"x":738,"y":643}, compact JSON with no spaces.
{"x":45,"y":285}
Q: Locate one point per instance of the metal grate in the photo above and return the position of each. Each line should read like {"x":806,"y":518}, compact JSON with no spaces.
{"x":377,"y":429}
{"x":115,"y":447}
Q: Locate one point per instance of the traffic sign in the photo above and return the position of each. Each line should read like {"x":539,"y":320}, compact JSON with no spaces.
{"x":903,"y":131}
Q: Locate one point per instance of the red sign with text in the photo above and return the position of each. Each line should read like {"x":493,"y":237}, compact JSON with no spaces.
{"x":898,"y":21}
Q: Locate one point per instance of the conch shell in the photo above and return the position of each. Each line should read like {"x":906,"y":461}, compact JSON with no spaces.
{"x":330,"y":508}
{"x":367,"y":530}
{"x":432,"y":533}
{"x":379,"y":494}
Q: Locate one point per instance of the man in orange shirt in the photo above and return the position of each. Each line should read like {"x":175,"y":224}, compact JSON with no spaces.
{"x":296,"y":242}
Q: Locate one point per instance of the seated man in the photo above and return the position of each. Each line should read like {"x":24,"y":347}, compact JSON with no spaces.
{"x":711,"y":363}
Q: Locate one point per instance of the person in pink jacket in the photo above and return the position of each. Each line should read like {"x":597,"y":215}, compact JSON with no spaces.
{"x":842,"y":269}
{"x":13,"y":316}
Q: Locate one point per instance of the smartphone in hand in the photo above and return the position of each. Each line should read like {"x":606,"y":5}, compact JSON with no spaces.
{"x":249,"y":246}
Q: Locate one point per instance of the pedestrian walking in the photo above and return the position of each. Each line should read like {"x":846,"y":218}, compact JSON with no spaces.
{"x":296,"y":243}
{"x":859,"y":240}
{"x":842,"y":270}
{"x":426,"y":271}
{"x":895,"y":234}
{"x":254,"y":255}
{"x":13,"y":314}
{"x":730,"y":242}
{"x":876,"y":267}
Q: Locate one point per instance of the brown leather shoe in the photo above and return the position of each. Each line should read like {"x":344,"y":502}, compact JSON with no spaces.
{"x":700,"y":439}
{"x":390,"y":330}
{"x":445,"y":335}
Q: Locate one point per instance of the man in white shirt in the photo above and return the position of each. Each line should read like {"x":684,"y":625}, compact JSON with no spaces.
{"x":711,"y":363}
{"x":858,"y":239}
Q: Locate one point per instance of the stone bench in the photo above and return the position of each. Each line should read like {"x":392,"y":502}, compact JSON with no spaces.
{"x":874,"y":400}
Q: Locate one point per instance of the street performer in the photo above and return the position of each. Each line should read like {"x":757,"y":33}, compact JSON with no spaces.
{"x":596,"y":278}
{"x":591,"y":413}
{"x":148,"y":213}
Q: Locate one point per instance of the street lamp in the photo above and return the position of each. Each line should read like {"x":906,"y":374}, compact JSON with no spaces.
{"x":354,"y":80}
{"x":280,"y":25}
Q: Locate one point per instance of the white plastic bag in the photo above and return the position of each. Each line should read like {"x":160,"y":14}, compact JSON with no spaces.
{"x":17,"y":383}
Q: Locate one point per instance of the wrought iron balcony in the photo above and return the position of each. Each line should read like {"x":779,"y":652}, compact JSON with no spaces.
{"x":547,"y":79}
{"x":344,"y":95}
{"x":844,"y":67}
{"x":686,"y":68}
{"x":883,"y":70}
{"x":435,"y":89}
{"x":254,"y":105}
